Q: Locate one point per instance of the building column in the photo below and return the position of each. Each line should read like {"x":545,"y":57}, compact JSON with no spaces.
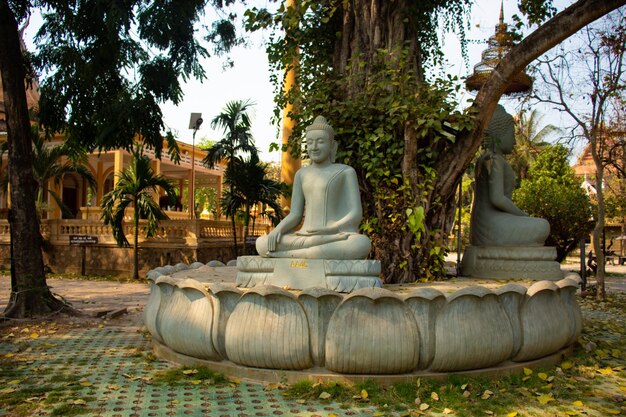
{"x":118,"y":165}
{"x":99,"y":182}
{"x":55,"y":211}
{"x":156,"y":166}
{"x":218,"y":200}
{"x":190,"y":194}
{"x":181,"y":185}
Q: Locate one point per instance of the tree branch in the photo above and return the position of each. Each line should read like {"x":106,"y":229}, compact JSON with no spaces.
{"x":547,"y":36}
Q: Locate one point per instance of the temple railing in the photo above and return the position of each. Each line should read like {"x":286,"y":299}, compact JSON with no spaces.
{"x":178,"y":232}
{"x":94,"y":213}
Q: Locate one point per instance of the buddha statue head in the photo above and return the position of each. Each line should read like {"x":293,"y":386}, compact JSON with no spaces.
{"x":500,"y":134}
{"x":320,"y":140}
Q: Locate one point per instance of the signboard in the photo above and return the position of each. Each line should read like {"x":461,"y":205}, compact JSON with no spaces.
{"x":83,"y":240}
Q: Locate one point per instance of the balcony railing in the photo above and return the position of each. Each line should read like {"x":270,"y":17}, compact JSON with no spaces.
{"x":175,"y":232}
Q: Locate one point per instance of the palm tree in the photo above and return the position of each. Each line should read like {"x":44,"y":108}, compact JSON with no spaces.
{"x":249,"y":186}
{"x":531,"y":139}
{"x":53,"y":163}
{"x":235,"y":122}
{"x":136,"y":186}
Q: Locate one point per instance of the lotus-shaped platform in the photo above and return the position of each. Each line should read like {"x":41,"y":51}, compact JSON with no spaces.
{"x":196,"y":314}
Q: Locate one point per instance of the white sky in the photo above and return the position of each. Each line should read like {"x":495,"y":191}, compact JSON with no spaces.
{"x":249,"y":78}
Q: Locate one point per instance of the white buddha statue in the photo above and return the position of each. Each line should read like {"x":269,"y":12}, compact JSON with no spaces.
{"x":326,"y":196}
{"x":496,"y":220}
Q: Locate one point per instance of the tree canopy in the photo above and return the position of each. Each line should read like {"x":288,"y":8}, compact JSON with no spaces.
{"x":107,"y":66}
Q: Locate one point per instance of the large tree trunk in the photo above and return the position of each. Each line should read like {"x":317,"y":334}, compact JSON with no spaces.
{"x":367,"y":27}
{"x":30,"y":295}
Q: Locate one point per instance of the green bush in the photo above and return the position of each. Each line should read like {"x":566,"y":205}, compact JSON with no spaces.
{"x":553,"y":192}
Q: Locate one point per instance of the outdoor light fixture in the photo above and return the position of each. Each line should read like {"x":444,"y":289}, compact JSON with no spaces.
{"x":194,"y":123}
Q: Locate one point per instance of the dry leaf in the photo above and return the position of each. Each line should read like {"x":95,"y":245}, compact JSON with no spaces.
{"x":324,"y":395}
{"x":447,"y":411}
{"x":190,"y":371}
{"x":528,"y":371}
{"x":424,"y":406}
{"x":578,"y":403}
{"x":606,"y":371}
{"x":544,"y":399}
{"x":512,"y":414}
{"x":434,"y":396}
{"x":542,"y":375}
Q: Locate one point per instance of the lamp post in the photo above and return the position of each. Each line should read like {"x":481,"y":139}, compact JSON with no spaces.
{"x":194,"y":123}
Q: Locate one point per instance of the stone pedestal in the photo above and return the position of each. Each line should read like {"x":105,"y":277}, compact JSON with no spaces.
{"x":298,"y":274}
{"x":511,"y":262}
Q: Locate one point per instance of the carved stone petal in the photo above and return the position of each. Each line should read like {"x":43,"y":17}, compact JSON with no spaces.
{"x":472,"y":331}
{"x":268,"y":329}
{"x":319,"y":305}
{"x":567,"y":292}
{"x":544,"y":322}
{"x":425,"y":303}
{"x":152,"y":309}
{"x":372,"y":331}
{"x":224,"y":298}
{"x":185,"y":323}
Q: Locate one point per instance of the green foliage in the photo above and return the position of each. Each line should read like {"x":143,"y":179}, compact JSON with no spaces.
{"x":236,"y":123}
{"x":553,"y":192}
{"x":53,"y":162}
{"x":248,"y":187}
{"x":136,"y":186}
{"x":530,"y":138}
{"x":109,"y":65}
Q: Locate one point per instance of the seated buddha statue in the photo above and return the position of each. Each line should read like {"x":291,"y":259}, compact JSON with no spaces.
{"x":326,"y":200}
{"x":496,"y":220}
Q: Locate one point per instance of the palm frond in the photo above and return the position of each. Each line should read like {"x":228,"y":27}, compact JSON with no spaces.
{"x":66,"y":213}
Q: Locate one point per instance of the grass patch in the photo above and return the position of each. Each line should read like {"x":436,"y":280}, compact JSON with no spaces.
{"x":69,"y":410}
{"x":189,"y":375}
{"x":93,"y":277}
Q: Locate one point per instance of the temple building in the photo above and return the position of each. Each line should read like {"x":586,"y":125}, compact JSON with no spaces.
{"x":187,"y":236}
